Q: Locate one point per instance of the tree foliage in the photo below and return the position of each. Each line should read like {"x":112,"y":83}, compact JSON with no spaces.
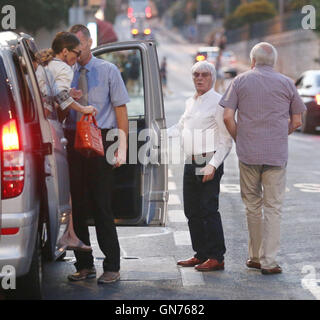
{"x":251,"y":12}
{"x":32,"y":15}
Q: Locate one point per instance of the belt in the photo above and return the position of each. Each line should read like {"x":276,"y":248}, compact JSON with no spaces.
{"x":204,"y":155}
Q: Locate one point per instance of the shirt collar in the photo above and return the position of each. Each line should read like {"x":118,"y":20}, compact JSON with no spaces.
{"x":203,"y":96}
{"x":88,"y":66}
{"x":264,"y":66}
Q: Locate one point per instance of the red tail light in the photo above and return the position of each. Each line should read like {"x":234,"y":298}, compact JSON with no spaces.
{"x":318,"y":99}
{"x":12,"y":173}
{"x":130,"y":12}
{"x":148,"y":12}
{"x":9,"y":231}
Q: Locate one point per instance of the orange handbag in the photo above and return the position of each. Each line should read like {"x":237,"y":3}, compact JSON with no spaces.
{"x":88,"y":140}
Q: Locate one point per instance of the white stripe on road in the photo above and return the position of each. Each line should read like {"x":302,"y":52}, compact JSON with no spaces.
{"x":170,"y":175}
{"x":177,"y":216}
{"x":191,"y":277}
{"x":182,"y":238}
{"x":174,"y":200}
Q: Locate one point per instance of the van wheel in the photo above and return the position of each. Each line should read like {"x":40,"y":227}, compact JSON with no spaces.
{"x":29,"y":286}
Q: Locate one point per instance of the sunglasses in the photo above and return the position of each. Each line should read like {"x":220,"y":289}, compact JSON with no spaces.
{"x":78,"y":53}
{"x":203,"y":74}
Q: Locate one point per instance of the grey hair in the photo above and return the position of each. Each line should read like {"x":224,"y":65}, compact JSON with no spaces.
{"x":205,"y":66}
{"x":264,"y":53}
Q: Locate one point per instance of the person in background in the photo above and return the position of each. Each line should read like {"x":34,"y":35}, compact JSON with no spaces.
{"x":269,"y":108}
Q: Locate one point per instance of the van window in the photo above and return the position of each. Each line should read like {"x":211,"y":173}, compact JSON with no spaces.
{"x":25,"y":88}
{"x":7,"y":110}
{"x":129,"y":63}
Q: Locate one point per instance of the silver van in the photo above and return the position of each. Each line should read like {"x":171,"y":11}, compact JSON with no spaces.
{"x":35,"y":198}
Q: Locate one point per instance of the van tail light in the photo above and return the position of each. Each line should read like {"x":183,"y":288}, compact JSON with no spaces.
{"x":9,"y":231}
{"x":318,"y":99}
{"x":12,"y":171}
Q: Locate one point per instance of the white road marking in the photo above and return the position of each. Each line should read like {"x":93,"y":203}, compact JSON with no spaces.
{"x":172,"y":186}
{"x":191,"y":277}
{"x":174,"y":199}
{"x":230,"y":188}
{"x":182,"y":238}
{"x":310,"y":282}
{"x":170,"y":175}
{"x":177,"y":216}
{"x":308,"y":187}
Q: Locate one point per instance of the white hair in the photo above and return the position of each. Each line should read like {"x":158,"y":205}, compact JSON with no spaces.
{"x":264,"y":53}
{"x":205,"y":66}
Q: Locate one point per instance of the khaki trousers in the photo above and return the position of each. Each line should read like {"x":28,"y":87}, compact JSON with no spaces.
{"x":262,"y":191}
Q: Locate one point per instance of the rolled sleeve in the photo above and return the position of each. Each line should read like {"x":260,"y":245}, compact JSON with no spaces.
{"x":230,"y":97}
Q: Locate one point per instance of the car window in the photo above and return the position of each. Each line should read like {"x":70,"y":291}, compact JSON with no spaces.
{"x":129,"y":63}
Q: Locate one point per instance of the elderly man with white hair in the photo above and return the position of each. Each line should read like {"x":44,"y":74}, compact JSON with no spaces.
{"x":268,"y":109}
{"x":206,"y":143}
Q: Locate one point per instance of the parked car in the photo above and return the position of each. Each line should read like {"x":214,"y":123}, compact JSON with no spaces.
{"x":35,"y":201}
{"x":210,"y":54}
{"x":308,"y":85}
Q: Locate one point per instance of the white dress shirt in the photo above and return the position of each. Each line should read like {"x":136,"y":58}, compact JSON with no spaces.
{"x":202,"y":128}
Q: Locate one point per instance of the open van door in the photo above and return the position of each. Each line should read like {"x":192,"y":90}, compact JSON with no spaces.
{"x":55,"y":191}
{"x":140,"y":192}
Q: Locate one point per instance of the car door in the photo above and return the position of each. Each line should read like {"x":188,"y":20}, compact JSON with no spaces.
{"x":141,"y":187}
{"x":55,"y":156}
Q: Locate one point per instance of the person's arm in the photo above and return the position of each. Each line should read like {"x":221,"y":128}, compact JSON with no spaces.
{"x":230,"y":122}
{"x":123,"y":129}
{"x":295,"y":122}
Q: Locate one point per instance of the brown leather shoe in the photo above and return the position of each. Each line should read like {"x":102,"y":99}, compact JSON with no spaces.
{"x":109,"y":277}
{"x":83,"y":274}
{"x":274,"y":270}
{"x":189,"y":263}
{"x":253,"y":265}
{"x":210,"y":265}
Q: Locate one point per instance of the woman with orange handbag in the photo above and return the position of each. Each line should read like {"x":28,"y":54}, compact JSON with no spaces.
{"x":56,"y":69}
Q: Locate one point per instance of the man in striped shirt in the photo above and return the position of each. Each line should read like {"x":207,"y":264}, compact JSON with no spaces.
{"x":269,"y":108}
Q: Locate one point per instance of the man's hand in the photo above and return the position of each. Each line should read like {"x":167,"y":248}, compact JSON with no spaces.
{"x":208,"y":172}
{"x":75,"y":94}
{"x":121,"y":157}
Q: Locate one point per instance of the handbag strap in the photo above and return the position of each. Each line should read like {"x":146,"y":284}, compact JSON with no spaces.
{"x":91,"y":119}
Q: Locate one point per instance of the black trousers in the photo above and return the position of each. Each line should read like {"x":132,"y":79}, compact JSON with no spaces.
{"x":91,"y":187}
{"x":201,"y":207}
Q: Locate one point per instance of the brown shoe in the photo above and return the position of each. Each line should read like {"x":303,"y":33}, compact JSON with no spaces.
{"x":109,"y":277}
{"x":274,"y":270}
{"x":210,"y":265}
{"x":189,"y":263}
{"x":253,"y":265}
{"x":83,"y":274}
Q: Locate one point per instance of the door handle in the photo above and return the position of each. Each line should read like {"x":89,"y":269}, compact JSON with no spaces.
{"x":64,"y":141}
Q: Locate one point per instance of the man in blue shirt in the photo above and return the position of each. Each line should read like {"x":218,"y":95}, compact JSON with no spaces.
{"x":91,"y":178}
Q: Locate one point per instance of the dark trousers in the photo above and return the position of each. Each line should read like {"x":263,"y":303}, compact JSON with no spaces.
{"x":91,"y":187}
{"x":201,"y":205}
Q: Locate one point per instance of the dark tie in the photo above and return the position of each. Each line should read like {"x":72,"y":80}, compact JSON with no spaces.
{"x":83,"y":86}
